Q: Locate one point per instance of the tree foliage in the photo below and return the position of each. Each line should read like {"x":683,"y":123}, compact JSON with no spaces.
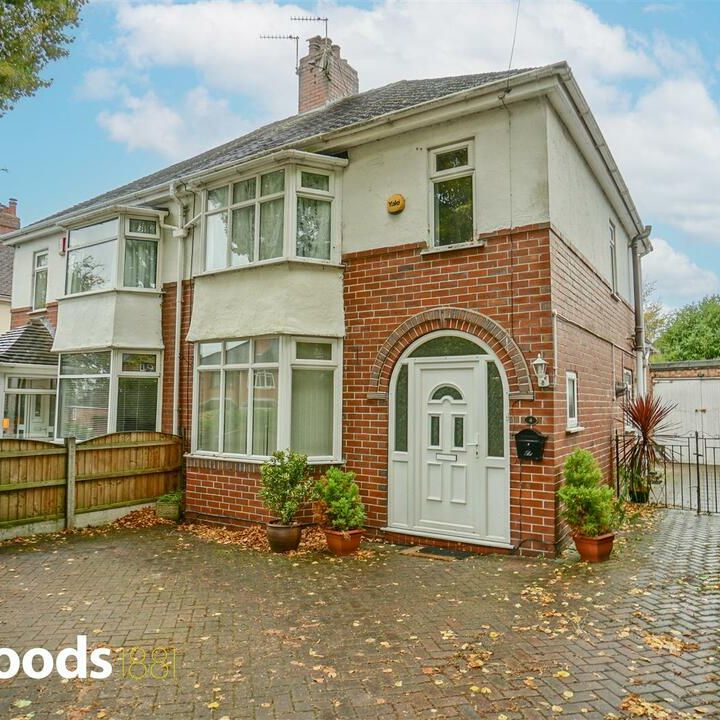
{"x":655,"y":316}
{"x":693,"y":332}
{"x":32,"y":34}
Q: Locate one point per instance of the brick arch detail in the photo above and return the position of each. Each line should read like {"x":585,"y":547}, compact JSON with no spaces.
{"x":450,"y":318}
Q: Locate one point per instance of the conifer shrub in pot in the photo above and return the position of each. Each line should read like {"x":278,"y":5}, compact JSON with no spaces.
{"x":589,"y":507}
{"x":343,"y":510}
{"x":285,"y":486}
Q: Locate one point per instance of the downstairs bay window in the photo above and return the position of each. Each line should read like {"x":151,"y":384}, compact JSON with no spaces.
{"x":107,"y":391}
{"x":254,"y":396}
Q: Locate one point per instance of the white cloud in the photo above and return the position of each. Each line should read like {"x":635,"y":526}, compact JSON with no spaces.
{"x":668,"y":147}
{"x":678,"y":280}
{"x":146,"y":123}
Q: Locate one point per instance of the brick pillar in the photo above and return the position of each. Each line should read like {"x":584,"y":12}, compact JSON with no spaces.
{"x":323,"y":76}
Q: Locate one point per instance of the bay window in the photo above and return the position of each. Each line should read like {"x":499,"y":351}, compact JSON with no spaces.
{"x":280,"y":213}
{"x":258,"y":395}
{"x":107,"y":391}
{"x":117,"y":253}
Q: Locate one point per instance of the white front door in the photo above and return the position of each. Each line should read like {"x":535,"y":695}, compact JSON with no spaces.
{"x":451,"y":478}
{"x":448,"y":429}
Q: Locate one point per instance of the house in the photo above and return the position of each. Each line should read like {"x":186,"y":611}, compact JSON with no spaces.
{"x":9,"y":221}
{"x":400,"y":280}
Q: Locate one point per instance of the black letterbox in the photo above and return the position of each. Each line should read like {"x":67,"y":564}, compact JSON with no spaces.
{"x":530,"y":444}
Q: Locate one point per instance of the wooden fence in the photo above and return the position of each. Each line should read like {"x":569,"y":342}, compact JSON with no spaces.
{"x":46,"y":483}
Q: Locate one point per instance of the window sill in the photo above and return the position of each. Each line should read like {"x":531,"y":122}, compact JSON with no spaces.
{"x":433,"y":249}
{"x":573,"y":430}
{"x":272,"y":261}
{"x":615,"y":296}
{"x":106,"y":291}
{"x":39,"y":311}
{"x":254,"y":460}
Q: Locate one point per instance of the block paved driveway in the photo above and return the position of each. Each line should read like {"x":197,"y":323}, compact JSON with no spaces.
{"x":383,"y":636}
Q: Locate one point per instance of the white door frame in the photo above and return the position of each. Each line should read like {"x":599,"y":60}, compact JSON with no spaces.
{"x":403,"y":466}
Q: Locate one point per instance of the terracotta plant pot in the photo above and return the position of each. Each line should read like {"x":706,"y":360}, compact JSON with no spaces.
{"x":594,"y":549}
{"x":283,"y":538}
{"x":343,"y":543}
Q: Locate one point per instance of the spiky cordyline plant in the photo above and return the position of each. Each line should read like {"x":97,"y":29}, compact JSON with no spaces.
{"x":647,"y":417}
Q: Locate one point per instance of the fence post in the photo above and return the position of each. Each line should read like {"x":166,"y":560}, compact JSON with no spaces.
{"x":697,"y":468}
{"x":70,"y":476}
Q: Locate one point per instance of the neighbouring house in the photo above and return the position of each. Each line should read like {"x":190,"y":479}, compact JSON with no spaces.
{"x":9,"y":221}
{"x":693,"y":387}
{"x":399,"y":280}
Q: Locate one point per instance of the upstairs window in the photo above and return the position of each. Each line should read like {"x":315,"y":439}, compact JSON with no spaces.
{"x":40,"y":277}
{"x":96,"y":252}
{"x":613,"y":257}
{"x":253,"y":219}
{"x":91,"y":257}
{"x":452,"y":194}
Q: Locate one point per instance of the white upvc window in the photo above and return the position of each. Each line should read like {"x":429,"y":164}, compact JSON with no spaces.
{"x":571,"y":386}
{"x":40,"y":280}
{"x":108,"y":391}
{"x":257,"y":395}
{"x":121,"y":252}
{"x":288,"y":212}
{"x":612,"y":236}
{"x":29,"y":407}
{"x":452,"y":194}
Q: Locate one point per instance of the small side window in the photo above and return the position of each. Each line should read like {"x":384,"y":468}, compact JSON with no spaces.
{"x":572,"y":400}
{"x":40,"y":277}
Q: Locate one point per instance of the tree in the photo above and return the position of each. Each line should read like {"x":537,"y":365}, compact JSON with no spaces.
{"x":32,"y":33}
{"x":693,"y":332}
{"x":655,"y":316}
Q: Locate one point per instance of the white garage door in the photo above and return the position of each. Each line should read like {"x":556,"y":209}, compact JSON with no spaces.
{"x":697,"y":401}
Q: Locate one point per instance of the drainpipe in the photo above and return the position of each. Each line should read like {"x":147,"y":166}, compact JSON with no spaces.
{"x":180,"y":233}
{"x":637,"y":253}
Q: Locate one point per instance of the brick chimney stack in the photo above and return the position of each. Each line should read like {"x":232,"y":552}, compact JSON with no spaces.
{"x":9,"y":220}
{"x":323,"y":76}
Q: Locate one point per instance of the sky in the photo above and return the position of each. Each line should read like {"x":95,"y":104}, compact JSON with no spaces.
{"x":148,"y":83}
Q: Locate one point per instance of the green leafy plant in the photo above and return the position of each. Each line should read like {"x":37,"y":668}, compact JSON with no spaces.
{"x":339,"y":495}
{"x":589,"y":506}
{"x":174,"y":496}
{"x":286,"y":484}
{"x":641,"y":453}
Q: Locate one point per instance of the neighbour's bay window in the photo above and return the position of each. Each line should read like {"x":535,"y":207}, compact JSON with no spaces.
{"x":117,"y":253}
{"x":258,"y":395}
{"x":107,"y":391}
{"x":287,"y":212}
{"x":452,"y":199}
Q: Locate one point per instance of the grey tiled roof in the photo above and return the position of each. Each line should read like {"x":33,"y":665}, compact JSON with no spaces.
{"x":294,"y":130}
{"x":6,"y":270}
{"x":30,"y":343}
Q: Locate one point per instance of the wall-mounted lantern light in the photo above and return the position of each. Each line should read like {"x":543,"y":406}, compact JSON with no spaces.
{"x":540,"y":367}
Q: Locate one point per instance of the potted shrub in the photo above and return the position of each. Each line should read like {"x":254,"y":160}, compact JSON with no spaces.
{"x":285,"y":486}
{"x":646,"y":417}
{"x":589,"y":507}
{"x":343,"y":510}
{"x":167,"y":506}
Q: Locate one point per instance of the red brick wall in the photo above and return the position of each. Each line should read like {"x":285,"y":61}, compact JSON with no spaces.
{"x":186,"y":359}
{"x":21,"y":316}
{"x":598,"y":351}
{"x":510,"y":281}
{"x":664,"y":372}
